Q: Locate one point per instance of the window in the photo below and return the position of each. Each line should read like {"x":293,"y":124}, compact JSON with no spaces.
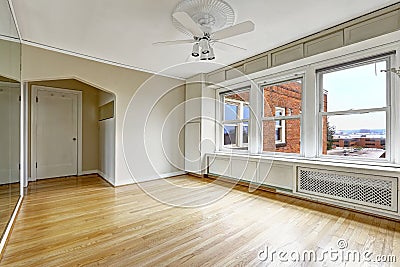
{"x":279,"y":126}
{"x":236,"y":119}
{"x":354,"y":109}
{"x":282,"y":104}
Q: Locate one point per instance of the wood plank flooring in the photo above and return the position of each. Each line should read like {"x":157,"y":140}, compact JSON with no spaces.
{"x":82,"y":221}
{"x":9,"y":195}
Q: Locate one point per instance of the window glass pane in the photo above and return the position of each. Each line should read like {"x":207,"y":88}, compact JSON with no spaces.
{"x":285,"y":95}
{"x":246,"y":112}
{"x":230,"y":135}
{"x":245,"y":133}
{"x":236,"y":109}
{"x":236,"y":104}
{"x":231,"y":112}
{"x":359,"y":87}
{"x":279,"y":112}
{"x":279,"y":134}
{"x":282,"y":138}
{"x":355,"y":135}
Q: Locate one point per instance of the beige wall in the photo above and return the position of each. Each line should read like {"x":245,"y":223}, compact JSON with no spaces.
{"x":90,"y":128}
{"x":106,"y":141}
{"x":10,"y":55}
{"x":42,"y":64}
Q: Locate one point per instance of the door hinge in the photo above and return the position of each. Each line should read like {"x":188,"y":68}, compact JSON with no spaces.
{"x":19,"y":166}
{"x":36,"y":165}
{"x":37,"y":99}
{"x":19,"y":98}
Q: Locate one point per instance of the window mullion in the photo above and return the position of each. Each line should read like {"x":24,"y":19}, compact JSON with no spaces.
{"x":278,"y":118}
{"x":354,"y":111}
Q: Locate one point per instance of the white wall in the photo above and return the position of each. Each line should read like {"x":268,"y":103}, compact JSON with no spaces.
{"x":42,"y":64}
{"x":200,"y":121}
{"x":106,"y":142}
{"x":153,"y":139}
{"x":9,"y":133}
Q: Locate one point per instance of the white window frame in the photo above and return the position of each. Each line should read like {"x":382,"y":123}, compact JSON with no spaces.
{"x":386,"y":109}
{"x":307,"y":67}
{"x":239,"y":122}
{"x":281,"y":80}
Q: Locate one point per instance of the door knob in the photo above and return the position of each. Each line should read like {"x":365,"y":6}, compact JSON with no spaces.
{"x":74,"y":139}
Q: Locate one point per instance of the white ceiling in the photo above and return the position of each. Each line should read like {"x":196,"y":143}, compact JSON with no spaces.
{"x":123,"y":31}
{"x":7,"y":26}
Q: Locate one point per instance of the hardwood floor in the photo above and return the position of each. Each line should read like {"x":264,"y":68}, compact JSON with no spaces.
{"x":9,"y":195}
{"x":82,"y":221}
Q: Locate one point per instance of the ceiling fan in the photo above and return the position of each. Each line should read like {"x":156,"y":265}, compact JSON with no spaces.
{"x":203,"y":36}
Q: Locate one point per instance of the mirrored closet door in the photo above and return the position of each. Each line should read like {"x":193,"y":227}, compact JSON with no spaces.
{"x":10,"y":88}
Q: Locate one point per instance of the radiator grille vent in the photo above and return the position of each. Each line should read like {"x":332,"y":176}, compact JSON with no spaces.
{"x":368,"y":190}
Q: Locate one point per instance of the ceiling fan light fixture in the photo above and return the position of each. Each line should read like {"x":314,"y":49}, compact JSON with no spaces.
{"x":203,"y":56}
{"x":207,"y":22}
{"x":195,"y":51}
{"x":212,"y":14}
{"x":205,"y":46}
{"x":211,"y":54}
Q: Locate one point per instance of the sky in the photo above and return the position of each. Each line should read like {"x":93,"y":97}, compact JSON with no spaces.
{"x":361,"y":87}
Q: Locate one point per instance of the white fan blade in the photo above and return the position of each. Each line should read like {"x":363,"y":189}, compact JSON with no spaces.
{"x":176,"y":42}
{"x":187,"y":22}
{"x":234,"y":30}
{"x":231,"y":45}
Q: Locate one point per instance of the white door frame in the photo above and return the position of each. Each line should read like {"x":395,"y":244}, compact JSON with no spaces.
{"x":24,"y":136}
{"x":35,"y":89}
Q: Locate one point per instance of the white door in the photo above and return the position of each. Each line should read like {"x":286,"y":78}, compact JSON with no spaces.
{"x":9,"y":134}
{"x":56,"y":134}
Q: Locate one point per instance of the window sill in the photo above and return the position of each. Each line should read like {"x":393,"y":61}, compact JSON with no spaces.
{"x":238,"y":151}
{"x":280,"y":144}
{"x":293,"y":159}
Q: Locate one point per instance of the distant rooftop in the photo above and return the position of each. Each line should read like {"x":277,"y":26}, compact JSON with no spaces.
{"x":359,"y":135}
{"x":352,"y":152}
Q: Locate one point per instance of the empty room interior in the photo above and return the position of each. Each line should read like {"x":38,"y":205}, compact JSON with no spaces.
{"x":200,"y":133}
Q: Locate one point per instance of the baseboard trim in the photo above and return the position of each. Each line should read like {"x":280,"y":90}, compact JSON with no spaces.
{"x":172,"y":174}
{"x":241,"y":185}
{"x":195,"y":174}
{"x":10,"y":226}
{"x":142,"y":180}
{"x":153,"y":178}
{"x":88,"y":172}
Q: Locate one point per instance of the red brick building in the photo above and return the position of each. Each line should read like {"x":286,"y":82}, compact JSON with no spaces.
{"x":364,"y":142}
{"x":285,"y":100}
{"x":279,"y":100}
{"x":282,"y":100}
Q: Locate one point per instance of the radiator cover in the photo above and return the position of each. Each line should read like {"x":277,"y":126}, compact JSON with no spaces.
{"x":361,"y":189}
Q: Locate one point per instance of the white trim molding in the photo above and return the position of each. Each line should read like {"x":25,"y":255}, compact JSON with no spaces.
{"x":152,"y":178}
{"x":88,"y":172}
{"x":10,"y":4}
{"x":96,"y":59}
